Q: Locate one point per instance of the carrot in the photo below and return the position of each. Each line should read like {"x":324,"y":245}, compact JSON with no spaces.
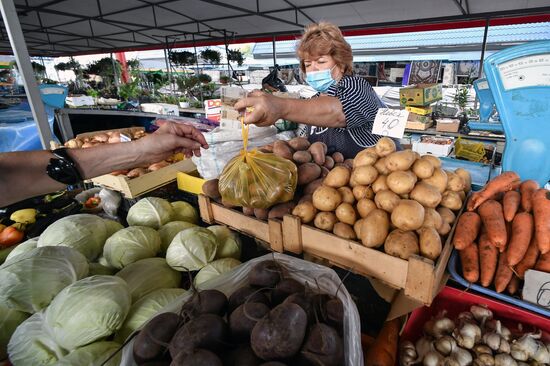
{"x":383,"y":351}
{"x":527,"y":189}
{"x":503,"y":275}
{"x":469,"y":257}
{"x":541,"y":213}
{"x":522,"y":232}
{"x":543,"y":264}
{"x":505,"y":182}
{"x":467,"y":229}
{"x":529,"y":259}
{"x":510,"y":204}
{"x":493,"y":220}
{"x":513,"y":286}
{"x":488,"y":259}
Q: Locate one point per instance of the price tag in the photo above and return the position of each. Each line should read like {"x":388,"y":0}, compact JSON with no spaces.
{"x":390,"y":122}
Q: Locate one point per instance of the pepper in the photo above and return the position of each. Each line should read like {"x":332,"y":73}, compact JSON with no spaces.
{"x":10,"y":236}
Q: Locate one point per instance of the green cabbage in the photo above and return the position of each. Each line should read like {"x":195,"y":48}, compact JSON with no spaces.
{"x":214,"y":269}
{"x":94,"y":354}
{"x":131,"y":244}
{"x":88,"y":310}
{"x":184,"y":211}
{"x":151,"y":211}
{"x":31,"y":344}
{"x":100,"y":269}
{"x":22,"y":248}
{"x":148,"y":275}
{"x":229,"y":242}
{"x":144,"y":309}
{"x":9,"y":321}
{"x":83,"y":232}
{"x":29,"y":281}
{"x":112,"y":226}
{"x":169,"y":231}
{"x":192,"y":249}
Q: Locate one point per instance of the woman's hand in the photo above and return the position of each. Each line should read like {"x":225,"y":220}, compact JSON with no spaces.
{"x":267,"y":109}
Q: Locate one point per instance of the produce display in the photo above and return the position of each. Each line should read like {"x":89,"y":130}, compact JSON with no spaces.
{"x":474,"y":337}
{"x":505,"y":232}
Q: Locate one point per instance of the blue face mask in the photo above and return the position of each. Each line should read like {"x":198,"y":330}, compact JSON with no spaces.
{"x":320,"y":80}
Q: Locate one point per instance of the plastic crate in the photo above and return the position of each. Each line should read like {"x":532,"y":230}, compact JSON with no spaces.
{"x":454,"y":269}
{"x":473,"y":151}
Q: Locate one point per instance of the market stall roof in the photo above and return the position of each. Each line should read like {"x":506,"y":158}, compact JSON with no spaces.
{"x":71,"y":27}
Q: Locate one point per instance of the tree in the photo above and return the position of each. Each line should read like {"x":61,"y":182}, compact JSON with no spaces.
{"x":211,"y":56}
{"x":104,"y":68}
{"x":235,"y":56}
{"x":182,"y":58}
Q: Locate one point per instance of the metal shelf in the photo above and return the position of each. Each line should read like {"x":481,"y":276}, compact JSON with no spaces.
{"x":432,"y":131}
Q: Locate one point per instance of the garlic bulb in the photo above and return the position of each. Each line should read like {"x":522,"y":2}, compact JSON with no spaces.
{"x":481,"y":313}
{"x":484,"y":359}
{"x":467,"y":335}
{"x":432,"y":358}
{"x":407,"y":354}
{"x":503,"y":359}
{"x":445,"y":345}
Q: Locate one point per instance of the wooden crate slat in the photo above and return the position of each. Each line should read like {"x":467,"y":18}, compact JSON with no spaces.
{"x":247,"y":225}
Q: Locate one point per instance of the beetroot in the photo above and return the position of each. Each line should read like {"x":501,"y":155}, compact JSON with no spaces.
{"x":206,"y":302}
{"x":245,"y":317}
{"x":305,"y":301}
{"x":205,"y":331}
{"x":323,"y":346}
{"x":285,"y":288}
{"x":265,"y":274}
{"x":199,"y":357}
{"x":273,"y":363}
{"x":246,"y":294}
{"x":149,"y":343}
{"x":334,"y":314}
{"x":242,"y":356}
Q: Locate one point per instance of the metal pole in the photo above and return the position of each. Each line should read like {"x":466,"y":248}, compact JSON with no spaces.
{"x":19,"y":47}
{"x":197,"y":64}
{"x":115,"y":74}
{"x":226,"y":52}
{"x":274,"y":52}
{"x":44,"y":64}
{"x":167,"y":60}
{"x":483,"y":46}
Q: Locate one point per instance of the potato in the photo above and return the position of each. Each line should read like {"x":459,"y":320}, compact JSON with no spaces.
{"x":432,"y":218}
{"x":426,"y":194}
{"x":357,"y":227}
{"x":338,"y":177}
{"x":349,"y":163}
{"x":455,"y":182}
{"x":301,"y":157}
{"x":306,"y":198}
{"x":326,"y":198}
{"x":364,"y":158}
{"x":338,"y":157}
{"x":401,"y":244}
{"x":364,"y":175}
{"x":380,"y":184}
{"x":306,"y":211}
{"x":447,"y":215}
{"x":347,"y":195}
{"x":346,"y":213}
{"x":432,"y":159}
{"x":318,"y":151}
{"x":282,"y":149}
{"x":385,"y":146}
{"x":438,"y":180}
{"x":365,"y":206}
{"x":299,"y":143}
{"x":280,"y":210}
{"x":430,"y":243}
{"x":386,"y":200}
{"x":451,"y":200}
{"x":156,"y":166}
{"x":408,"y":215}
{"x":466,"y":177}
{"x":311,"y":187}
{"x":324,"y":171}
{"x":400,"y":160}
{"x":375,"y":228}
{"x":423,"y":168}
{"x":210,"y":188}
{"x":261,"y":213}
{"x":344,"y":231}
{"x":444,"y":229}
{"x":361,"y":192}
{"x":325,"y":221}
{"x":329,"y":162}
{"x":352,"y":183}
{"x":401,"y":182}
{"x":462,"y":195}
{"x":248,"y":211}
{"x":307,"y":173}
{"x":138,"y":172}
{"x":417,"y":155}
{"x":380,"y":165}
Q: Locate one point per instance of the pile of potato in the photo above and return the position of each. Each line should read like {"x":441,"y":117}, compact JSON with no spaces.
{"x":400,"y":201}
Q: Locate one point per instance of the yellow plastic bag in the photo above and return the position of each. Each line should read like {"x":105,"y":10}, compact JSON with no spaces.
{"x":258,"y":180}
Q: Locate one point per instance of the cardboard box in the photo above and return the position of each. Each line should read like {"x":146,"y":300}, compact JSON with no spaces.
{"x":536,"y":288}
{"x":434,"y":145}
{"x":420,"y":95}
{"x":212,"y":109}
{"x":413,"y":117}
{"x":447,"y":125}
{"x":420,"y":126}
{"x":423,"y":111}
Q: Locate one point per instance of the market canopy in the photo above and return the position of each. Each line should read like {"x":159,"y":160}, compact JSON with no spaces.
{"x":71,"y":27}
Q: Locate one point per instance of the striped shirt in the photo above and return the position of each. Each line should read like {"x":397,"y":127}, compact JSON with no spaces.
{"x":360,"y":104}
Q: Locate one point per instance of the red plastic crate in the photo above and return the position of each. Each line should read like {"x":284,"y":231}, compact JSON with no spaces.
{"x":455,"y":301}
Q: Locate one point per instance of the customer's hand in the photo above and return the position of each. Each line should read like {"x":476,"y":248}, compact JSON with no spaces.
{"x":266,"y":108}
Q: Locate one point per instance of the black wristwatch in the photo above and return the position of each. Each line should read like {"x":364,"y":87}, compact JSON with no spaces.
{"x":62,"y":168}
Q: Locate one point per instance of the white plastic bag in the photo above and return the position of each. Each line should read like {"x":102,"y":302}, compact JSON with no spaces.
{"x":302,"y":271}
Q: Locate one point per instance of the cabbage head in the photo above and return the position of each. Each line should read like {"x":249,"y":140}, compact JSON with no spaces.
{"x":151,"y":212}
{"x":131,"y":244}
{"x":90,"y":309}
{"x":169,"y":231}
{"x":9,"y":321}
{"x":192,"y":249}
{"x":184,"y":211}
{"x":83,"y":232}
{"x":145,"y":308}
{"x":112,"y":226}
{"x":94,"y":354}
{"x":31,"y":344}
{"x":23,"y":247}
{"x":100,"y":269}
{"x":148,"y":275}
{"x":229,"y":242}
{"x":214,"y":269}
{"x":29,"y":281}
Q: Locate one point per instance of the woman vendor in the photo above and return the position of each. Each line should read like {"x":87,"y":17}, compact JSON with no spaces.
{"x":342,"y":112}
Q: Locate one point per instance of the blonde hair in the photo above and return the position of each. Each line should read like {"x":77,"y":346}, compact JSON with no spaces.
{"x":325,"y":39}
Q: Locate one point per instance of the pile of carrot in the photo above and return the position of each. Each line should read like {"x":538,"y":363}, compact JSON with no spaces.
{"x":505,"y":232}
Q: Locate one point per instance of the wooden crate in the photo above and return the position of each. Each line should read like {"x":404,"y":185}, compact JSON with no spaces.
{"x":268,"y":231}
{"x":128,"y":130}
{"x":132,"y":188}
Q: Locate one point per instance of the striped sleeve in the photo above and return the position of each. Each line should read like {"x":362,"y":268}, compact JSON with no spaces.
{"x":359,"y":101}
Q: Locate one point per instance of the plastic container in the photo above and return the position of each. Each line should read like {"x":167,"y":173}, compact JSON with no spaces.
{"x":481,"y":173}
{"x":454,"y":269}
{"x":473,"y":151}
{"x":190,"y":182}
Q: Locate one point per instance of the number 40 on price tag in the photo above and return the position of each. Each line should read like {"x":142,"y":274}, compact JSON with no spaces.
{"x":390,"y":122}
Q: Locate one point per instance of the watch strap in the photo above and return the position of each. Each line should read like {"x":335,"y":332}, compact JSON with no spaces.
{"x":62,"y":168}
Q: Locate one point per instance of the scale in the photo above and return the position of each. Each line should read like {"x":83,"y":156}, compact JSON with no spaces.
{"x":519,"y":79}
{"x":53,"y":95}
{"x":488,"y":118}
